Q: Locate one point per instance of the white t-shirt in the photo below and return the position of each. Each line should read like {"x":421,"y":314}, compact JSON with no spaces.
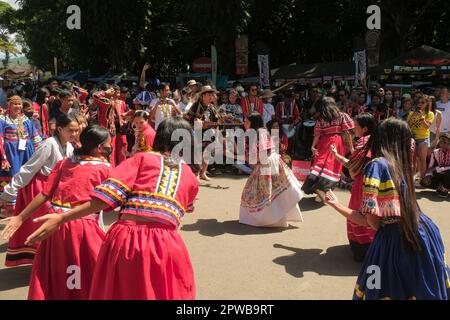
{"x":43,"y":161}
{"x":165,"y":110}
{"x":445,"y":109}
{"x":184,"y":107}
{"x":268,"y":113}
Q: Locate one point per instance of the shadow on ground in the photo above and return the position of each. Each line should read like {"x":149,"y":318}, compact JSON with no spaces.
{"x":429,"y":195}
{"x":211,"y":186}
{"x":14,"y":278}
{"x":214,"y":228}
{"x":336,"y":261}
{"x":3,"y":247}
{"x":309,"y":204}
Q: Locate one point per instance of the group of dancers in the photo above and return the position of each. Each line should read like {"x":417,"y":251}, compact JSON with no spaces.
{"x":67,"y":183}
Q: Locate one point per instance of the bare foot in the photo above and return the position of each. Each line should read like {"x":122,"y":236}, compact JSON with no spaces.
{"x":205,"y":177}
{"x":321,"y":195}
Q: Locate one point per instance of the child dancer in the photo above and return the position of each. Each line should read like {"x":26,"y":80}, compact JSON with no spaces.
{"x":144,"y":133}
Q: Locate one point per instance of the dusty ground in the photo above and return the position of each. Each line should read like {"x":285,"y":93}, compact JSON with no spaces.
{"x":310,"y":260}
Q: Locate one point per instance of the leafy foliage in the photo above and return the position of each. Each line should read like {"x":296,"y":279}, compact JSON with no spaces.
{"x":170,"y":34}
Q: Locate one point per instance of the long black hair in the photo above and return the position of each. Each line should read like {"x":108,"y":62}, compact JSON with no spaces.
{"x":328,"y":109}
{"x":256,"y":121}
{"x":163,"y":141}
{"x":91,"y":138}
{"x":367,"y":120}
{"x":41,"y":95}
{"x":360,"y":158}
{"x":393,"y":140}
{"x":63,"y":121}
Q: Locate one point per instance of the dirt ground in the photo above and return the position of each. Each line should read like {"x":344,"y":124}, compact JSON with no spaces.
{"x":308,"y":261}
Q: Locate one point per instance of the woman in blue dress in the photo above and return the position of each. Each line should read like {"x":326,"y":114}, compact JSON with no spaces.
{"x":20,"y":139}
{"x":407,"y":257}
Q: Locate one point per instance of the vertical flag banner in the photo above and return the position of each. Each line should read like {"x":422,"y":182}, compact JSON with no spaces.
{"x":55,"y":63}
{"x":242,"y":55}
{"x":373,"y":47}
{"x":264,"y":70}
{"x":360,"y":66}
{"x":214,"y":64}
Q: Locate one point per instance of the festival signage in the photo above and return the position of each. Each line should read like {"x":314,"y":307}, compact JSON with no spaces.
{"x":202,"y":65}
{"x":242,"y":55}
{"x":264,"y":71}
{"x":361,"y":66}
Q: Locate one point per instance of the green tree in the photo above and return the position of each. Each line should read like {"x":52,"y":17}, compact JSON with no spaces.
{"x":169,"y":34}
{"x":7,"y":43}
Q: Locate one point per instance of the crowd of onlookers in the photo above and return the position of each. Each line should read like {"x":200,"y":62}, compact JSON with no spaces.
{"x":293,"y":110}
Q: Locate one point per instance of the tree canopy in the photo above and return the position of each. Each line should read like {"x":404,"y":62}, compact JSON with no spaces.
{"x":122,"y":35}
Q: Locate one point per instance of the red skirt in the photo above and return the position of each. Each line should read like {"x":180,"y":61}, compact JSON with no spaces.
{"x":357,"y":233}
{"x":143,"y":261}
{"x":120,"y":149}
{"x":18,"y":254}
{"x":65,"y":262}
{"x":326,"y":170}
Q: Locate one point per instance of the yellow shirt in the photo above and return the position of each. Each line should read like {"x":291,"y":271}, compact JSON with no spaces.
{"x":419,"y":131}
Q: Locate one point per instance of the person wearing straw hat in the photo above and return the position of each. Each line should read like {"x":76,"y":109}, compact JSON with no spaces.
{"x":268,"y":108}
{"x":204,"y":113}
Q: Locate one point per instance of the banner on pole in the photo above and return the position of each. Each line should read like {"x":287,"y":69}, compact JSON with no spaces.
{"x":360,"y":66}
{"x":242,"y":55}
{"x":214,"y":64}
{"x":264,"y":70}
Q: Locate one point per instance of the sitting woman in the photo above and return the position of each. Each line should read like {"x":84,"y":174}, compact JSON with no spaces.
{"x":438,"y":175}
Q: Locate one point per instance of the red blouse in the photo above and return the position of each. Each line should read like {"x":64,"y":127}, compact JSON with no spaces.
{"x":145,"y":140}
{"x":72,"y":180}
{"x":147,"y":185}
{"x":337,"y":126}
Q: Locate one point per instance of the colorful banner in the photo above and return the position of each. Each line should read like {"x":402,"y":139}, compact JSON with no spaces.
{"x":214,"y":64}
{"x":264,"y":71}
{"x":242,"y":55}
{"x":360,"y":66}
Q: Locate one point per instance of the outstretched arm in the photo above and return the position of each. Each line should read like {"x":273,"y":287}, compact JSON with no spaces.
{"x":14,"y":223}
{"x":53,"y":221}
{"x":142,"y":80}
